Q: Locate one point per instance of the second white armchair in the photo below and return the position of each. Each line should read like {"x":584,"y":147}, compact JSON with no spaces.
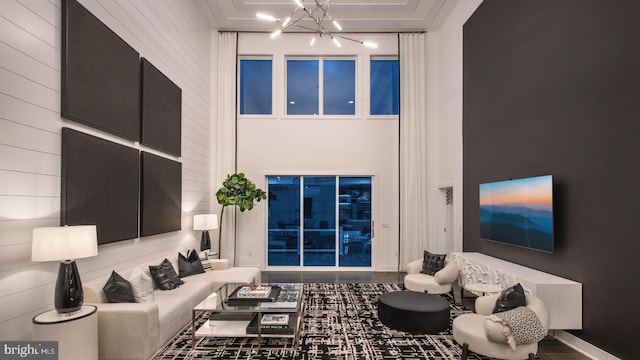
{"x":476,"y":333}
{"x":438,"y":283}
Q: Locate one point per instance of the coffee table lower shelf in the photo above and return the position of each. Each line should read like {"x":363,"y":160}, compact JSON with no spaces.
{"x":245,"y":320}
{"x":238,"y":328}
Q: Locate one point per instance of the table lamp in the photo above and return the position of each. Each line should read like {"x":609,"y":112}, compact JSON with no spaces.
{"x":65,"y":244}
{"x":205,"y":222}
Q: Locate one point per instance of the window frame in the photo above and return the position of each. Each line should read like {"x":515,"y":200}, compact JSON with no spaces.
{"x":285,"y":104}
{"x":321,"y":114}
{"x":373,"y":208}
{"x":368,"y":110}
{"x":273,"y":86}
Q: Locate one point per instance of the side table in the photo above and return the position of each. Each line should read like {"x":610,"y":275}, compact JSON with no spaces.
{"x":76,"y":333}
{"x":482,"y":288}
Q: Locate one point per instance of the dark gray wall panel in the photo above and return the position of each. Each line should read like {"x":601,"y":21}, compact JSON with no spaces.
{"x":99,"y":186}
{"x":161,"y":110}
{"x":100,"y":74}
{"x":161,"y":200}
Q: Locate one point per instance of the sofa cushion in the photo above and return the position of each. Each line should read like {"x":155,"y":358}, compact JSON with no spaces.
{"x":190,"y":264}
{"x":432,"y":263}
{"x":194,"y":288}
{"x":142,"y":285}
{"x":164,"y":275}
{"x":510,"y":298}
{"x":425,"y":283}
{"x":118,"y":289}
{"x":174,"y":312}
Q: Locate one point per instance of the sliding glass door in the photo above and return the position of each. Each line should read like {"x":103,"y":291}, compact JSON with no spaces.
{"x":283,"y":243}
{"x":319,"y":213}
{"x":319,"y":221}
{"x":355,"y":221}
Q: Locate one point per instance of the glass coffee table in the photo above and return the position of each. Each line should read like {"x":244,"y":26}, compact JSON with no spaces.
{"x":279,"y":318}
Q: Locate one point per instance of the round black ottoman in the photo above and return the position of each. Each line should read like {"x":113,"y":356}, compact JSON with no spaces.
{"x":414,"y":312}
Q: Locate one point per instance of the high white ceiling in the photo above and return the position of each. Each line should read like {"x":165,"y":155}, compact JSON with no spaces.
{"x":353,"y":15}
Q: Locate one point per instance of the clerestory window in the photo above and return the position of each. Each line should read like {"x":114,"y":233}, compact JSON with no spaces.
{"x":321,"y":86}
{"x":256,"y":86}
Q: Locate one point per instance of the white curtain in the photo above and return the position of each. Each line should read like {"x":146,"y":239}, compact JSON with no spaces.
{"x":226,"y":135}
{"x":413,"y":191}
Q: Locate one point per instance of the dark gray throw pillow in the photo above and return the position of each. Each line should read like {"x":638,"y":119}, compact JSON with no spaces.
{"x":510,"y":298}
{"x":432,"y":263}
{"x":190,"y":264}
{"x":164,"y":276}
{"x":118,"y":289}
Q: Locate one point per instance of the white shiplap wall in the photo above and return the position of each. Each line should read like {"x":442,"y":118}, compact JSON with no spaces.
{"x":175,"y":37}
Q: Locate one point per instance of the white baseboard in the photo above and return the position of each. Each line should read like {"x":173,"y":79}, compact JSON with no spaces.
{"x":386,"y":268}
{"x":582,"y":346}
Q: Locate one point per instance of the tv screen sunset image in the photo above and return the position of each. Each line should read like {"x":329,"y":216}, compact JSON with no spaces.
{"x":518,"y":212}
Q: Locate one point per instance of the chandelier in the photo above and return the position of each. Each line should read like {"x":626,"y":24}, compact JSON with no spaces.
{"x":318,"y":11}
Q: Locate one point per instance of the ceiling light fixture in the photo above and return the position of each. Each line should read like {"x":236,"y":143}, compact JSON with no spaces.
{"x":263,"y":16}
{"x":317,"y":11}
{"x":335,"y":23}
{"x":276,"y":33}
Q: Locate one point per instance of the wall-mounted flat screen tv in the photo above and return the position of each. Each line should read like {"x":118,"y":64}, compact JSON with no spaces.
{"x":518,"y":212}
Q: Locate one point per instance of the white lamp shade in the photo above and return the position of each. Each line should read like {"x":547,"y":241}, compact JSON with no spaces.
{"x":64,"y":243}
{"x":205,"y":222}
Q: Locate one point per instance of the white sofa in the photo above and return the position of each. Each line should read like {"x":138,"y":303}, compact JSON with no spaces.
{"x":138,"y":330}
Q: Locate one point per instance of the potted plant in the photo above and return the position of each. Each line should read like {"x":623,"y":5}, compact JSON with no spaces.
{"x":239,"y":191}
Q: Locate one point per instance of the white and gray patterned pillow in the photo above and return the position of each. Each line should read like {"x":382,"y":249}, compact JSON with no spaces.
{"x":520,"y":326}
{"x":206,"y":264}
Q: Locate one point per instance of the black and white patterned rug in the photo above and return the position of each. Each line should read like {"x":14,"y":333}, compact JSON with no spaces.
{"x":340,"y":322}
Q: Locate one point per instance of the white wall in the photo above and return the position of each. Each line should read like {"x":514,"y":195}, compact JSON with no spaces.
{"x":280,"y":145}
{"x":444,"y":113}
{"x":174,"y":36}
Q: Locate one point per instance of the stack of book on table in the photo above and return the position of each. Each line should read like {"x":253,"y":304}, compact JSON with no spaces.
{"x":282,"y":324}
{"x":245,"y":292}
{"x":246,"y":296}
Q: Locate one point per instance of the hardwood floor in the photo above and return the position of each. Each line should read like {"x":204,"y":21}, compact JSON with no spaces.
{"x":549,"y":349}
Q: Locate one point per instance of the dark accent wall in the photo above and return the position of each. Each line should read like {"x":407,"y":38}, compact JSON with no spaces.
{"x":553,"y":87}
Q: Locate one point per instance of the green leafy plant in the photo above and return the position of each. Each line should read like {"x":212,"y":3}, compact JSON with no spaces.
{"x":239,"y":191}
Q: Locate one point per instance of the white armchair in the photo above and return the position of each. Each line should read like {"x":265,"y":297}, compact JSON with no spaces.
{"x":439,"y":283}
{"x":482,"y":336}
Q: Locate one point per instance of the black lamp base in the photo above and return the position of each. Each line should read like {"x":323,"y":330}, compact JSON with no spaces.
{"x":68,"y":293}
{"x":205,"y":241}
